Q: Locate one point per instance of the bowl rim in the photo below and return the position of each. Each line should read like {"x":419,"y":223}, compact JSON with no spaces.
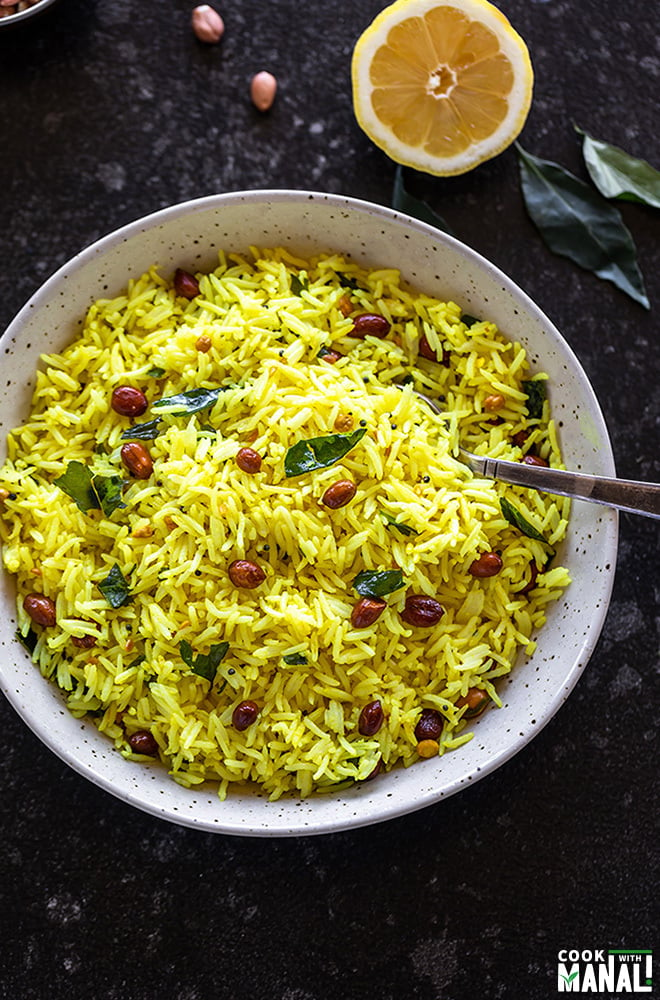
{"x":23,"y":15}
{"x":610,"y":523}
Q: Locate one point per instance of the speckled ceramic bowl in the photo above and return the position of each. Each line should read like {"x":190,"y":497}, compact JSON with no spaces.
{"x":189,"y":235}
{"x":24,"y":15}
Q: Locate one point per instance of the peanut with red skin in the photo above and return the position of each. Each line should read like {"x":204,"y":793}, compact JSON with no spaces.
{"x":422,"y":611}
{"x":535,"y":460}
{"x":128,"y":401}
{"x":488,"y":564}
{"x":185,"y":284}
{"x":137,"y":459}
{"x":244,"y":715}
{"x":371,"y":718}
{"x":331,"y":356}
{"x":476,"y":700}
{"x":40,"y":609}
{"x":248,"y":460}
{"x":143,"y":742}
{"x":207,"y":24}
{"x":339,"y":494}
{"x":263,"y":88}
{"x":245,"y":574}
{"x":429,"y":725}
{"x":370,"y":325}
{"x":367,"y":611}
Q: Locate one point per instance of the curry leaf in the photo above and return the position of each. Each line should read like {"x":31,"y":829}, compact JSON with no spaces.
{"x":319,"y":452}
{"x":377,"y":583}
{"x":576,"y":222}
{"x":115,"y":588}
{"x":190,"y":401}
{"x":156,"y":372}
{"x":404,"y":529}
{"x":514,"y":517}
{"x":108,"y":490}
{"x":295,"y":659}
{"x":299,"y":282}
{"x":617,"y":174}
{"x":536,"y":395}
{"x":142,"y":432}
{"x":77,"y":484}
{"x":469,"y":320}
{"x":29,"y":641}
{"x":403,"y":201}
{"x":204,"y":664}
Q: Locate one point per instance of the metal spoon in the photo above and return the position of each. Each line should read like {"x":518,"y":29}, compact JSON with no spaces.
{"x":624,"y":494}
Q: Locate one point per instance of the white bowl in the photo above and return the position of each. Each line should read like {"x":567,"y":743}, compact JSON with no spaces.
{"x":189,"y":236}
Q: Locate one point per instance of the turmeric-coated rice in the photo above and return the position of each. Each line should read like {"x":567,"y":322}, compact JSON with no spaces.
{"x":245,"y":546}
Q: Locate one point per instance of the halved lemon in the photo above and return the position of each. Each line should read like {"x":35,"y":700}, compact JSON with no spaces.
{"x":441,"y":86}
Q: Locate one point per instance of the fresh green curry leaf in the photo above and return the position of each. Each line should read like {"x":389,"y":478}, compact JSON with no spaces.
{"x":348,"y":282}
{"x":514,"y":517}
{"x":617,"y":174}
{"x":404,"y":529}
{"x":576,"y":222}
{"x":156,"y":372}
{"x":299,"y":282}
{"x":536,"y":394}
{"x":109,"y":492}
{"x":403,"y":201}
{"x":115,"y":588}
{"x":295,"y":659}
{"x":469,"y":320}
{"x":204,"y":664}
{"x":377,"y":583}
{"x":142,"y":432}
{"x":318,"y":453}
{"x":137,"y":661}
{"x":77,"y":484}
{"x":190,"y":401}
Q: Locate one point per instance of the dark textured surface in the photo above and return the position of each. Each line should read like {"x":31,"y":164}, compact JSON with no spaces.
{"x":112,"y":110}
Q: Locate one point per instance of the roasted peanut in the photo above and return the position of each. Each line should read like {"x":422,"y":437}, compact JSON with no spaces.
{"x":137,"y":459}
{"x":142,"y":531}
{"x":531,"y":583}
{"x":426,"y":351}
{"x":185,"y":284}
{"x":245,"y":574}
{"x":207,"y":24}
{"x":339,"y":494}
{"x":375,"y":771}
{"x":476,"y":700}
{"x":263,"y":88}
{"x":128,"y":401}
{"x":422,"y":611}
{"x":535,"y":460}
{"x":203,"y":344}
{"x":371,"y":718}
{"x":370,"y":325}
{"x":84,"y":641}
{"x":345,"y":305}
{"x":367,"y":611}
{"x":495,"y":402}
{"x":488,"y":564}
{"x":520,"y":437}
{"x":331,"y":356}
{"x":429,"y":725}
{"x":343,"y":423}
{"x":143,"y":742}
{"x":40,"y":609}
{"x":244,"y":715}
{"x":428,"y":748}
{"x":248,"y":460}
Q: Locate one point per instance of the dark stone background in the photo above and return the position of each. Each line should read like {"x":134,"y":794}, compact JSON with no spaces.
{"x":110,"y":110}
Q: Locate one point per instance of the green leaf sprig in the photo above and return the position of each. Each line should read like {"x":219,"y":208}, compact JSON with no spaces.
{"x":514,"y":517}
{"x":378,"y":583}
{"x":405,"y":202}
{"x":319,"y":452}
{"x":576,"y":222}
{"x":403,"y":529}
{"x":619,"y":175}
{"x":536,"y":391}
{"x":191,"y":401}
{"x":204,"y":664}
{"x":89,"y":491}
{"x":115,"y":588}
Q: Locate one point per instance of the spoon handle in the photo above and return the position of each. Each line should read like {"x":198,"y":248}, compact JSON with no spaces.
{"x":624,"y":494}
